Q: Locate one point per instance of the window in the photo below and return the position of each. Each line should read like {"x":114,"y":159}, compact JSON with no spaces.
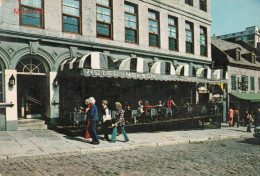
{"x":233,"y":83}
{"x":173,"y":33}
{"x":32,"y":13}
{"x":244,"y":81}
{"x":259,"y":84}
{"x":153,"y":28}
{"x":131,"y":26}
{"x":251,"y":37}
{"x":203,"y":5}
{"x":189,"y":37}
{"x":253,"y":59}
{"x":190,"y":2}
{"x":203,"y":41}
{"x":71,"y":16}
{"x":252,"y":83}
{"x":238,"y":55}
{"x":104,"y":19}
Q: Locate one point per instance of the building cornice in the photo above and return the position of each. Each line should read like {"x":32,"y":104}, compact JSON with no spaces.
{"x":94,"y":45}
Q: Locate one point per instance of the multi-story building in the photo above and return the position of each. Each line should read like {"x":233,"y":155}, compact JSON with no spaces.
{"x":241,"y":61}
{"x":53,"y":56}
{"x":251,"y":35}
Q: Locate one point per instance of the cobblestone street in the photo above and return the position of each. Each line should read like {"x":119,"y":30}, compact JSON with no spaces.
{"x":222,"y":157}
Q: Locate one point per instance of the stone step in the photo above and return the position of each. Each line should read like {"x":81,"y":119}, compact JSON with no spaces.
{"x":32,"y":127}
{"x":31,"y":124}
{"x":30,"y":121}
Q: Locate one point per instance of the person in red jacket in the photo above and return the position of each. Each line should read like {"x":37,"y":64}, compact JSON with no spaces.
{"x":87,"y":135}
{"x":231,"y":113}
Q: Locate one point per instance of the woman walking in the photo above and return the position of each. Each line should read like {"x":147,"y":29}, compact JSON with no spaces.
{"x":106,"y":119}
{"x":120,"y":123}
{"x":93,"y":115}
{"x":87,"y":135}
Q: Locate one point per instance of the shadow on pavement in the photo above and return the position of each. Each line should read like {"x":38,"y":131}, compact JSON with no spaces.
{"x":253,"y":141}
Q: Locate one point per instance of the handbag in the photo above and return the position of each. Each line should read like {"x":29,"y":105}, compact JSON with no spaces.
{"x":107,"y":117}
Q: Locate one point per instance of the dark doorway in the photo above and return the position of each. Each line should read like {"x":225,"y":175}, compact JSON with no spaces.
{"x":32,"y":96}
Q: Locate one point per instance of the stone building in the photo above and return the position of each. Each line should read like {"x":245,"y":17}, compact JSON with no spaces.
{"x":241,"y":61}
{"x":38,"y":37}
{"x":251,"y":36}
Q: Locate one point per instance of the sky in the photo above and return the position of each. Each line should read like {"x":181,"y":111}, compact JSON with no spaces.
{"x":229,"y":16}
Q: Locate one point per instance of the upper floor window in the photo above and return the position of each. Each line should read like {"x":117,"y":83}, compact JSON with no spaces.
{"x":203,"y":41}
{"x":258,"y":83}
{"x":71,"y":16}
{"x":244,"y":83}
{"x":252,"y":83}
{"x":154,"y":28}
{"x":173,"y":33}
{"x":104,"y":18}
{"x":32,"y":13}
{"x":203,"y":5}
{"x":190,"y":2}
{"x":253,"y":59}
{"x":233,"y":83}
{"x":189,"y":37}
{"x":238,"y":55}
{"x":131,"y":26}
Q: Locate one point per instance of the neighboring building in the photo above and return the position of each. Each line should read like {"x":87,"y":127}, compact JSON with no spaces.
{"x":140,"y":40}
{"x":242,"y":63}
{"x":251,"y":35}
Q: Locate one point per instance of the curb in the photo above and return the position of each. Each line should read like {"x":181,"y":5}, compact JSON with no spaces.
{"x":119,"y":148}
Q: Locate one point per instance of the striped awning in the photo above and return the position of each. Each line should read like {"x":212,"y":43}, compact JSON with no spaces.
{"x":93,"y":60}
{"x":203,"y":73}
{"x":163,"y":68}
{"x":182,"y":70}
{"x":134,"y":64}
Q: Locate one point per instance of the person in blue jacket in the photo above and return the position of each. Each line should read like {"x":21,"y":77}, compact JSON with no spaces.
{"x":93,"y":115}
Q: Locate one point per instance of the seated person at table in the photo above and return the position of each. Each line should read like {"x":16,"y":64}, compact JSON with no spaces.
{"x":140,"y":108}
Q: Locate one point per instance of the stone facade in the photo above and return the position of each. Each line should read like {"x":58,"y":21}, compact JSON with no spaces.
{"x":51,"y":46}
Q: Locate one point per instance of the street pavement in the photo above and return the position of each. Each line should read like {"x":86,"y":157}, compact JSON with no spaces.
{"x":47,"y":143}
{"x":227,"y":157}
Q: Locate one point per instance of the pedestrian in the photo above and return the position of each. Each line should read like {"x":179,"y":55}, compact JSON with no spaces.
{"x":87,"y":135}
{"x":236,"y":118}
{"x":120,"y":123}
{"x":257,"y":118}
{"x":231,"y":116}
{"x":106,"y":119}
{"x":249,"y":121}
{"x":93,"y":115}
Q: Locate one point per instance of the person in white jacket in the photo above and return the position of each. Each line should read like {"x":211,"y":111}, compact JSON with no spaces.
{"x":106,"y":120}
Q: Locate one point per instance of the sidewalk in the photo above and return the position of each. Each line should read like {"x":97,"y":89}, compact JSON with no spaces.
{"x":44,"y":143}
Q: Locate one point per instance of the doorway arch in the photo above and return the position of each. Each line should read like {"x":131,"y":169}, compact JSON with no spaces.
{"x":32,"y":87}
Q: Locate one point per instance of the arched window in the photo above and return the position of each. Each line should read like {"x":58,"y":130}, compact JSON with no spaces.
{"x":1,"y":83}
{"x":30,"y":65}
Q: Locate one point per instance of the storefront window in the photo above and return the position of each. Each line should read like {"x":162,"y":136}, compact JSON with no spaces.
{"x":31,"y":13}
{"x":71,"y":16}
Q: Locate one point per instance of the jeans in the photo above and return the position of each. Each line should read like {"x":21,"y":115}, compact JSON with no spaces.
{"x":113,"y":137}
{"x":93,"y":131}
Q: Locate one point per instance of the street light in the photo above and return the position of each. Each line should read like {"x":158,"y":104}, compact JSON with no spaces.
{"x":11,"y":81}
{"x":55,"y":82}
